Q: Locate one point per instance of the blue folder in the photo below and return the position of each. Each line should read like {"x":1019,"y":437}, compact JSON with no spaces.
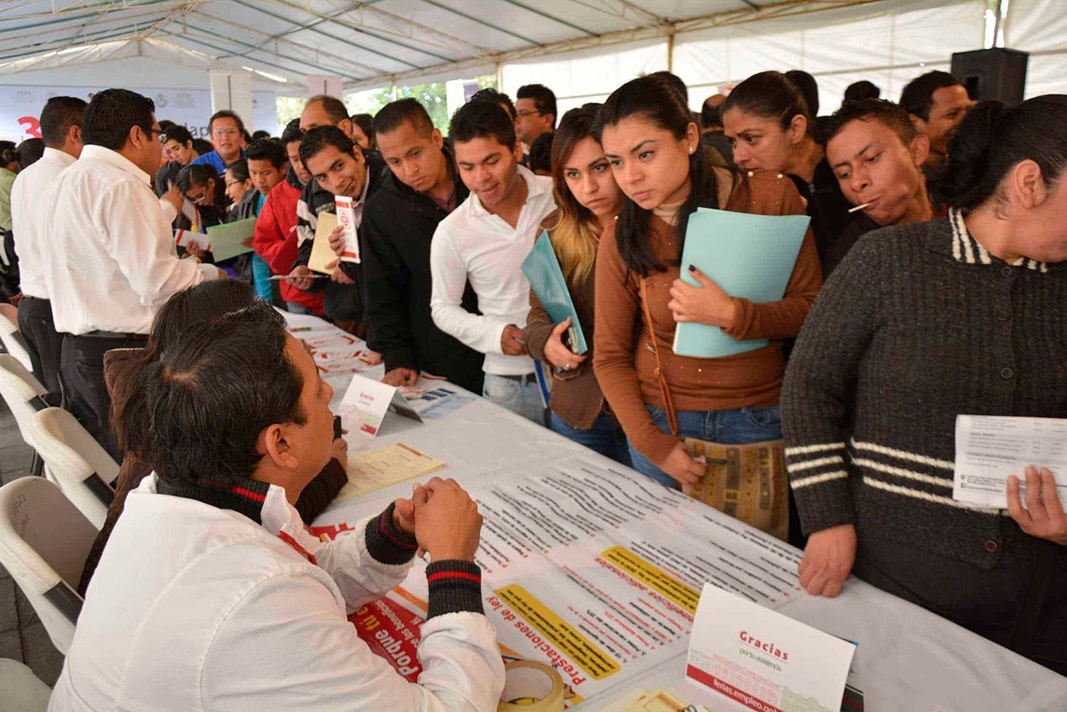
{"x":546,"y":278}
{"x":750,"y":256}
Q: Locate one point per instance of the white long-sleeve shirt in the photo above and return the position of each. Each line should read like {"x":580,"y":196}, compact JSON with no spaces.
{"x":29,"y":210}
{"x":476,"y":245}
{"x":109,"y":257}
{"x":193,"y":607}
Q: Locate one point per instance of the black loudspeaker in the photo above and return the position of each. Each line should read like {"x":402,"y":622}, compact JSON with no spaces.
{"x":992,"y":73}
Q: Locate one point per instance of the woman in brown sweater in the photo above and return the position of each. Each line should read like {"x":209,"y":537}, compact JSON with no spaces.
{"x":121,"y":367}
{"x":588,"y":199}
{"x":653,"y":147}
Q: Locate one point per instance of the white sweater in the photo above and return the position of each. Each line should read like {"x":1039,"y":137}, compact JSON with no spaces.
{"x":194,"y":607}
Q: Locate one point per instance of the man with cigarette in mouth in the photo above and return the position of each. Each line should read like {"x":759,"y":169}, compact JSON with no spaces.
{"x":877,"y":155}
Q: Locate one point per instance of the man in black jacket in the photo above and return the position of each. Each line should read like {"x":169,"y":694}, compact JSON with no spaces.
{"x":338,"y":167}
{"x":398,"y":225}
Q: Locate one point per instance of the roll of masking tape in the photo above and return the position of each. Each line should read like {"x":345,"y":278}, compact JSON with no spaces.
{"x":531,"y":687}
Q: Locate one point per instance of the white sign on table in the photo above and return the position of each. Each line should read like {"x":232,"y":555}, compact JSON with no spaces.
{"x":991,"y":448}
{"x":761,"y":660}
{"x":367,"y":402}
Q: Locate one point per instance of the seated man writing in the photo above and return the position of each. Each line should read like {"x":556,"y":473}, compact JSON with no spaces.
{"x":210,"y":593}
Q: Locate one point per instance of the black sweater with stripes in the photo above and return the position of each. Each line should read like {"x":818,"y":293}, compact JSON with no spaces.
{"x":917,"y":325}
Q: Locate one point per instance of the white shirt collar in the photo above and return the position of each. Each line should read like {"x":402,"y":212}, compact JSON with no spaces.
{"x":56,"y":155}
{"x":534,"y":187}
{"x":99,"y":153}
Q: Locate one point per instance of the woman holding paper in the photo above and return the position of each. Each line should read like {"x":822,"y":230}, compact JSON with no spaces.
{"x":654,"y":151}
{"x":922,"y":323}
{"x":771,"y":128}
{"x":588,"y":200}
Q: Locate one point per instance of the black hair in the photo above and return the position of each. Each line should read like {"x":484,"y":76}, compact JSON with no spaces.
{"x":111,"y":115}
{"x":918,"y":94}
{"x":260,"y":135}
{"x":200,"y":174}
{"x":166,"y":124}
{"x":60,"y":113}
{"x":30,"y":151}
{"x":993,"y":138}
{"x":365,"y":122}
{"x":675,"y":82}
{"x":334,"y":107}
{"x":267,"y":150}
{"x":292,"y":132}
{"x":711,"y":116}
{"x":225,"y":114}
{"x":202,"y":146}
{"x":541,"y":154}
{"x":892,"y":115}
{"x":393,"y":115}
{"x":772,"y":96}
{"x":479,"y":118}
{"x":862,"y":90}
{"x":179,"y":133}
{"x":209,"y":396}
{"x":184,"y":310}
{"x":239,"y":170}
{"x":808,"y":87}
{"x":543,"y":97}
{"x":656,"y":101}
{"x":246,"y":136}
{"x":491,"y":94}
{"x":318,"y":138}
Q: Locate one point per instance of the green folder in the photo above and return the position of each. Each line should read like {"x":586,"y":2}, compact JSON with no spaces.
{"x":226,"y":238}
{"x":546,"y":278}
{"x":750,"y":256}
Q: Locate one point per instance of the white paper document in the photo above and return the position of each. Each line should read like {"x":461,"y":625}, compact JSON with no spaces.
{"x":989,"y":449}
{"x":744,"y":656}
{"x":367,"y":401}
{"x":346,"y":218}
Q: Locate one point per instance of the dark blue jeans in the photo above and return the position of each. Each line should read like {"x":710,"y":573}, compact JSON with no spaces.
{"x":729,"y":427}
{"x":605,"y":437}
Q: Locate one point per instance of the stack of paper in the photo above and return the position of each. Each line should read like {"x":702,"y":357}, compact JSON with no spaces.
{"x":321,"y":252}
{"x":373,"y":469}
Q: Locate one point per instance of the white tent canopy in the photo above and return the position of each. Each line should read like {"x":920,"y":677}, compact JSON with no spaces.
{"x":580,"y":48}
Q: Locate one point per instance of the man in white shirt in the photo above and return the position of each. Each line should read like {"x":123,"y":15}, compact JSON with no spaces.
{"x":485,"y":241}
{"x":212,"y":595}
{"x":108,"y":247}
{"x":61,"y":121}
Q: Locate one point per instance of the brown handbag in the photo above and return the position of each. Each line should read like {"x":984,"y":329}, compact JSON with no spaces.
{"x":747,"y":482}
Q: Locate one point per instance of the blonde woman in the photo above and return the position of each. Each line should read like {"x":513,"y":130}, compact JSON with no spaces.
{"x":588,"y":200}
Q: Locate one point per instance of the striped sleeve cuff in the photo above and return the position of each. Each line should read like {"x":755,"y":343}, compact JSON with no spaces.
{"x":386,"y":543}
{"x":818,"y":475}
{"x":455,"y":587}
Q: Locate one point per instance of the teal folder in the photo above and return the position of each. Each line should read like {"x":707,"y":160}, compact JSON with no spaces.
{"x":750,"y":256}
{"x":546,"y":278}
{"x":226,"y":238}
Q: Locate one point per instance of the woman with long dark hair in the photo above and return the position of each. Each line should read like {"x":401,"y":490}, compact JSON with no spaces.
{"x":922,"y":323}
{"x":653,"y":147}
{"x":588,"y":200}
{"x":768,"y":120}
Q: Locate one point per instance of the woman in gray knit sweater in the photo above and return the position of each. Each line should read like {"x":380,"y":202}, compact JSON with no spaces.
{"x":919,"y":324}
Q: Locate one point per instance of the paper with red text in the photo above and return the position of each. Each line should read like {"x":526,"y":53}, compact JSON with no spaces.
{"x":744,"y":656}
{"x":346,"y":218}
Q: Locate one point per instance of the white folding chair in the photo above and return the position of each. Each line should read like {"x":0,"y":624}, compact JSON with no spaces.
{"x":23,"y":394}
{"x":75,"y":461}
{"x":11,"y":339}
{"x":21,"y":689}
{"x":44,"y":541}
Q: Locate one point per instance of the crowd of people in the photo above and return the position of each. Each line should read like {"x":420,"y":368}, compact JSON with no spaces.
{"x":936,"y":225}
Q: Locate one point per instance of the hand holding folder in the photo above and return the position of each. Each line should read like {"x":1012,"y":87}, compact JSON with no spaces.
{"x":546,"y":279}
{"x":749,"y":256}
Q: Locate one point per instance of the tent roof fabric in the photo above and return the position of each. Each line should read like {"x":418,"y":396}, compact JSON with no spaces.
{"x":367,"y":43}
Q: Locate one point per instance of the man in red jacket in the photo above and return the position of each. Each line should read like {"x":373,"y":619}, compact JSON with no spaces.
{"x":275,"y":238}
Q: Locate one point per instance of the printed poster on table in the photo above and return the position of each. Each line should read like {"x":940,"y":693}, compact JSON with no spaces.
{"x":568,"y":579}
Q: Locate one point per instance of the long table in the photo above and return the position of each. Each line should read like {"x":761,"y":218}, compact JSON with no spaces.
{"x":595,"y":569}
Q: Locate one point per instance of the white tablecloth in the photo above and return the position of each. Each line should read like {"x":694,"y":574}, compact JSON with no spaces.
{"x":521,"y":474}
